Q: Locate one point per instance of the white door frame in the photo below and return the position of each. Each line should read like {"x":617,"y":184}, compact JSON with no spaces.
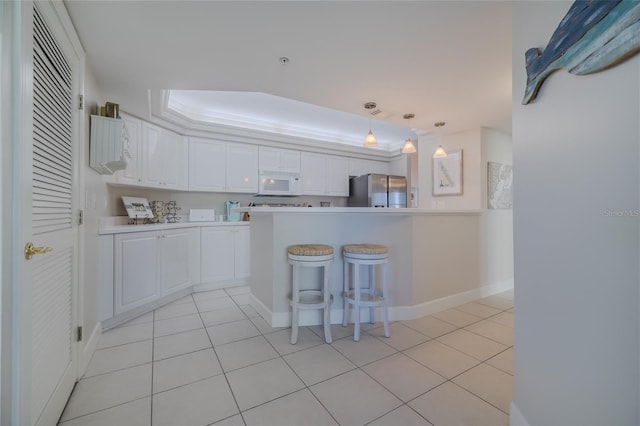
{"x":10,"y":13}
{"x":13,"y":19}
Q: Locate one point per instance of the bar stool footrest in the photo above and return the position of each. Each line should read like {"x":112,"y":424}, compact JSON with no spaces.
{"x":311,"y":299}
{"x":367,"y":300}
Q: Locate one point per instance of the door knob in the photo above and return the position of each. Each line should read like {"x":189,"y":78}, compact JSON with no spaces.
{"x":30,"y":250}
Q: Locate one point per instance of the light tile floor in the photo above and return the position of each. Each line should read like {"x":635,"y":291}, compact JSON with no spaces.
{"x":209,"y":358}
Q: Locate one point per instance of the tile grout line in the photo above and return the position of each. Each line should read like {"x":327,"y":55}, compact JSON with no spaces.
{"x":153,"y":348}
{"x":224,"y":373}
{"x":308,"y":387}
{"x":295,"y":373}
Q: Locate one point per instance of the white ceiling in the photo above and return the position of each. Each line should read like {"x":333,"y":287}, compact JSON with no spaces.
{"x":441,"y":60}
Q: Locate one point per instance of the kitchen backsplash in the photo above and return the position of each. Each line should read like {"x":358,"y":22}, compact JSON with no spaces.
{"x":207,"y":200}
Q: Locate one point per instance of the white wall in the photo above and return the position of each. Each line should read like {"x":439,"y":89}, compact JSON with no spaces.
{"x":95,"y":205}
{"x":469,"y":141}
{"x":576,"y":229}
{"x":496,"y":225}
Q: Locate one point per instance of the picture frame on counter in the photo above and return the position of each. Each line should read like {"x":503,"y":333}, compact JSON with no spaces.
{"x":447,"y":174}
{"x":137,"y":208}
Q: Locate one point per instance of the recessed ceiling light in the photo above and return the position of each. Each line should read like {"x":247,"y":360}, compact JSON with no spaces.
{"x":284,"y":60}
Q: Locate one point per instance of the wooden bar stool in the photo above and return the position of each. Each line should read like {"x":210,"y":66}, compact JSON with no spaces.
{"x":354,"y":256}
{"x":310,"y":256}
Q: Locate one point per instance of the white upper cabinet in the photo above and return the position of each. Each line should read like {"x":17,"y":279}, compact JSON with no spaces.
{"x":159,"y":157}
{"x":152,"y":155}
{"x":337,"y":178}
{"x":207,"y":165}
{"x":398,"y":166}
{"x":218,"y":166}
{"x":175,"y":160}
{"x":325,"y":175}
{"x":164,"y":159}
{"x":242,"y":168}
{"x":314,"y":173}
{"x":359,"y":167}
{"x":279,"y":160}
{"x":379,"y":167}
{"x":132,"y":174}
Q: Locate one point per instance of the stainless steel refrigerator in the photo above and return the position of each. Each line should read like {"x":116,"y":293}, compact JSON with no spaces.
{"x":375,"y":190}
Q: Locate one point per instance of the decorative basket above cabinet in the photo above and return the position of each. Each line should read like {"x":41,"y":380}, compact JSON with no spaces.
{"x":108,"y":151}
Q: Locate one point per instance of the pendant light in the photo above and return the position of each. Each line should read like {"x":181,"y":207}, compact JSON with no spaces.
{"x":409,"y":147}
{"x":440,"y":152}
{"x":370,"y":141}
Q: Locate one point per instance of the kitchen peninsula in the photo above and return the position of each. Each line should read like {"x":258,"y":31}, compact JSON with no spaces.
{"x":434,"y":257}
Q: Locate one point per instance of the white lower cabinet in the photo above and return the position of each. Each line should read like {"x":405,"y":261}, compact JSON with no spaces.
{"x":224,"y":254}
{"x":242,"y":250}
{"x":179,"y":260}
{"x":153,"y":264}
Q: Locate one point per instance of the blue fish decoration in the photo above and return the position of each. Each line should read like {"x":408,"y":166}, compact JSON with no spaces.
{"x":593,"y":36}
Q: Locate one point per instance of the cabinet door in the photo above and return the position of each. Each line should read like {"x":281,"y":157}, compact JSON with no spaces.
{"x":179,"y":256}
{"x":313,"y":174}
{"x":269,"y":159}
{"x":279,"y":160}
{"x":289,"y":161}
{"x":175,"y":158}
{"x":136,"y":279}
{"x":242,"y":253}
{"x":381,"y":167}
{"x":358,"y":167}
{"x":216,"y":254}
{"x":132,"y":174}
{"x":152,"y":155}
{"x":207,"y":165}
{"x":242,"y":168}
{"x":337,"y":180}
{"x":398,"y":166}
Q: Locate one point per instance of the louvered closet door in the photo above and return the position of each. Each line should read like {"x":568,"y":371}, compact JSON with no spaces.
{"x":49,"y":201}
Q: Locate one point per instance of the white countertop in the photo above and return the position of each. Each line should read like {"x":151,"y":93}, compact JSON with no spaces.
{"x":118,"y":225}
{"x":359,"y":210}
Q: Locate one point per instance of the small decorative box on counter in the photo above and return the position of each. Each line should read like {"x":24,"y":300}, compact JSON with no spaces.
{"x":202,"y":215}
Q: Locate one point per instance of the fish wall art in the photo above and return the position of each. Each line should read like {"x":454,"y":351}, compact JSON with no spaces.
{"x":593,"y":36}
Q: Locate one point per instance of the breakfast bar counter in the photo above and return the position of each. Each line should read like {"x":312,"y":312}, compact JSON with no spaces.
{"x":434,"y":256}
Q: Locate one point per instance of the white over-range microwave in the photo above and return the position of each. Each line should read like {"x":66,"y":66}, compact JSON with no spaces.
{"x":280,"y":184}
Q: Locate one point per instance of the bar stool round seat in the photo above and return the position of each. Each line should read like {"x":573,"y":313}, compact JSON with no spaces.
{"x":310,"y":256}
{"x":373,"y":295}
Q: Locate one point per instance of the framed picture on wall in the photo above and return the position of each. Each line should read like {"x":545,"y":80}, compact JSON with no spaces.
{"x":447,"y":174}
{"x":499,"y":186}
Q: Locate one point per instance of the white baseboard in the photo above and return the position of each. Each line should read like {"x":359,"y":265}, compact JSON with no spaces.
{"x":141,"y":310}
{"x":88,"y":349}
{"x":219,"y":285}
{"x":396,"y":313}
{"x":433,"y":306}
{"x":515,"y":416}
{"x":263,"y":311}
